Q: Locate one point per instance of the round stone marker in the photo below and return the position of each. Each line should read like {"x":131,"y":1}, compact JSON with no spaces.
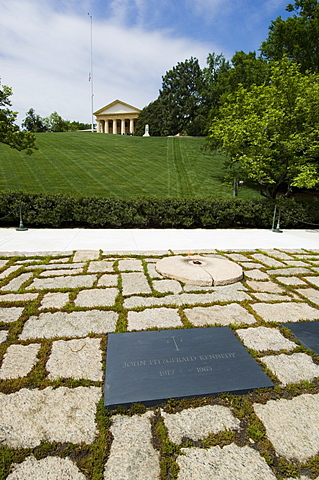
{"x":202,"y":271}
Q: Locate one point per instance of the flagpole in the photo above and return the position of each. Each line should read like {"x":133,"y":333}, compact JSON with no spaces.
{"x":91,"y":76}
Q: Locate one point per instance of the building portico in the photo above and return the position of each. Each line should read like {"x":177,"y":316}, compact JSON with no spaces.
{"x":117,"y":118}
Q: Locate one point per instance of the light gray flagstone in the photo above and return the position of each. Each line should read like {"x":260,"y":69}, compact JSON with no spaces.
{"x":48,"y":468}
{"x":76,"y":359}
{"x":230,"y":462}
{"x":292,"y":425}
{"x":74,"y":324}
{"x":19,"y":360}
{"x":132,"y":456}
{"x":198,"y":423}
{"x":55,"y":415}
{"x":219,"y":314}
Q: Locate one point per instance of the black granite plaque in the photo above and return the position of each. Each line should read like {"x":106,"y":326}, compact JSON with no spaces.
{"x":307,"y":333}
{"x":151,"y":367}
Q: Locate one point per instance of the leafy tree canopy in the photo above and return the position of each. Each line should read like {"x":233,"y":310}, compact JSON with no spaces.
{"x":181,"y":99}
{"x":10,"y":133}
{"x":150,"y":115}
{"x":271,"y":132}
{"x":297,"y":37}
{"x":33,"y":122}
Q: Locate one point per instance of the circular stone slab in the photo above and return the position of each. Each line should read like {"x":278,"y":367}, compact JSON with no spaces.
{"x":202,"y":271}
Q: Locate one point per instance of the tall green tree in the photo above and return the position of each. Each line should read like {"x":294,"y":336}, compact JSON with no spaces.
{"x":10,"y":132}
{"x":151,"y":115}
{"x":33,"y":122}
{"x":55,"y":123}
{"x":181,"y":99}
{"x":297,"y":37}
{"x":271,"y":132}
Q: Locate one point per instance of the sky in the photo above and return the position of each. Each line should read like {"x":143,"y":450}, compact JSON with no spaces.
{"x":45,"y":47}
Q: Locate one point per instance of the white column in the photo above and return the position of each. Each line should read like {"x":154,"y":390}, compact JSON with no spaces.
{"x":98,"y":126}
{"x":106,"y":127}
{"x":122,"y":127}
{"x":131,"y":125}
{"x":114,"y":126}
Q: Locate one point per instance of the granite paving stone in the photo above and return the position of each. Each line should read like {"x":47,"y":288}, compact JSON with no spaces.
{"x":151,"y":270}
{"x":256,"y":274}
{"x":134,"y":283}
{"x":3,"y":335}
{"x":76,"y":359}
{"x":291,"y":281}
{"x":198,"y":423}
{"x":74,"y":324}
{"x":60,"y":260}
{"x":131,"y":264}
{"x":8,"y":271}
{"x":310,"y":293}
{"x":54,"y":300}
{"x":271,"y":297}
{"x":54,"y":415}
{"x":9,"y":315}
{"x":268,"y":286}
{"x":96,"y":297}
{"x":286,"y":312}
{"x":264,"y":338}
{"x":292,"y":425}
{"x":57,"y":266}
{"x":237,"y":257}
{"x":154,"y":317}
{"x":101,"y":266}
{"x":187,"y":299}
{"x":108,"y":280}
{"x":132,"y":456}
{"x":251,"y":265}
{"x":292,"y":368}
{"x":3,"y":263}
{"x":19,"y":360}
{"x":62,"y":282}
{"x":269,"y":261}
{"x":48,"y":468}
{"x":314,"y":280}
{"x":279,"y":254}
{"x":297,"y":263}
{"x":230,"y":462}
{"x":18,"y":297}
{"x":165,"y":286}
{"x":84,"y":255}
{"x":219,"y":314}
{"x":289,"y":271}
{"x":16,"y":282}
{"x":57,"y":273}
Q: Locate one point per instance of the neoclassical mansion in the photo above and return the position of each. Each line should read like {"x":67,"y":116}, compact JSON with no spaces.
{"x":117,"y":117}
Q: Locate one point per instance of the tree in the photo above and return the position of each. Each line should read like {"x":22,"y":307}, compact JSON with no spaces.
{"x":297,"y":37}
{"x":10,"y":133}
{"x":55,"y":123}
{"x":181,"y":99}
{"x":247,"y":70}
{"x":271,"y":132}
{"x":33,"y":122}
{"x":151,"y":115}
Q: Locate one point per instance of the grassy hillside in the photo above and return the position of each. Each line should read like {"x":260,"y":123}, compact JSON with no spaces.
{"x":107,"y":165}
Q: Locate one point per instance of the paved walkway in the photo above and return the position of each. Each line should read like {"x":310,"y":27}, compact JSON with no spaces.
{"x":55,"y":313}
{"x":137,"y":240}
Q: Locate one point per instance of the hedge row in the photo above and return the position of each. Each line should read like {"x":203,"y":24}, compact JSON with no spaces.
{"x":42,"y":210}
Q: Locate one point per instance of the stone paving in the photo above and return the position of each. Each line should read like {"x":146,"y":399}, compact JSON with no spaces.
{"x":56,"y":311}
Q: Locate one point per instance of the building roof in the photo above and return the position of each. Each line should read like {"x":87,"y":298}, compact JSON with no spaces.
{"x":117,"y":107}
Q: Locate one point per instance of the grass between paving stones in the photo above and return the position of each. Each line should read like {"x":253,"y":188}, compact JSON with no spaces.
{"x":91,"y":459}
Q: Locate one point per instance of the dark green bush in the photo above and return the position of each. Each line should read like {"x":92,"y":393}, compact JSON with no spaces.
{"x":57,"y":211}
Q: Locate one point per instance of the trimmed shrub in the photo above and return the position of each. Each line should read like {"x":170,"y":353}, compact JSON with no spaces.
{"x":58,"y":211}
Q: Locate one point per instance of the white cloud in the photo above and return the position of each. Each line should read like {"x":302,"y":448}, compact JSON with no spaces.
{"x":45,"y":57}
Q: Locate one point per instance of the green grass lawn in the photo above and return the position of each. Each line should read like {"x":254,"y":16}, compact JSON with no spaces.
{"x":114,"y":165}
